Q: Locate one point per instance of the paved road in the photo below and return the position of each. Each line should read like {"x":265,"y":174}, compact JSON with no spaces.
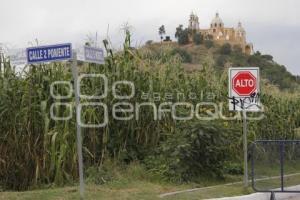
{"x":295,"y":198}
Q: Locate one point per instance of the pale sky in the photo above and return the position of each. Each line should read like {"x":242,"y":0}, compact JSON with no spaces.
{"x":273,"y":26}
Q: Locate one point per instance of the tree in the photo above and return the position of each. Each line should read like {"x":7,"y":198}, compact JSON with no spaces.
{"x":161,"y":32}
{"x":182,"y":35}
{"x":226,"y":49}
{"x":267,"y":57}
{"x":257,"y":53}
{"x":179,"y":30}
{"x":197,"y":38}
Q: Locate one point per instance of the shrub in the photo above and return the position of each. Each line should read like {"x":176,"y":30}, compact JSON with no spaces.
{"x":237,"y":49}
{"x":221,"y":61}
{"x":149,"y":42}
{"x":208,"y":44}
{"x":197,"y":38}
{"x":99,"y":176}
{"x":233,"y":168}
{"x":225,"y":49}
{"x":198,"y":149}
{"x":116,"y":171}
{"x":185,"y":56}
{"x":267,"y":57}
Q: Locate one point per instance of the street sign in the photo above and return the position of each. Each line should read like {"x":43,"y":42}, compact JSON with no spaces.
{"x":49,"y":53}
{"x":90,"y":54}
{"x":244,"y":89}
{"x":93,"y":55}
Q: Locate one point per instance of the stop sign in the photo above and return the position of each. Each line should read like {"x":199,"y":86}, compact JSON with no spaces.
{"x":244,"y":83}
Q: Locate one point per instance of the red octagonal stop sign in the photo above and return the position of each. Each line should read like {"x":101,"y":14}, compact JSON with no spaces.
{"x":244,"y":83}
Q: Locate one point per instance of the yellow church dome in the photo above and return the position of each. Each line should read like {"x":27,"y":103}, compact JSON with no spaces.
{"x":217,"y":22}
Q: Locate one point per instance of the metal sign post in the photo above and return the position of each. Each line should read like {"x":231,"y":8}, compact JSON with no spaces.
{"x":245,"y":143}
{"x":244,"y":97}
{"x":78,"y":128}
{"x":91,"y":55}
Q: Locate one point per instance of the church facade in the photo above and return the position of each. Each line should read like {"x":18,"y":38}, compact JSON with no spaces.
{"x":221,"y":34}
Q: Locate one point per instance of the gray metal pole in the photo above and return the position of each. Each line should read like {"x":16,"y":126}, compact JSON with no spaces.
{"x":245,"y":148}
{"x":78,"y":128}
{"x":281,"y":164}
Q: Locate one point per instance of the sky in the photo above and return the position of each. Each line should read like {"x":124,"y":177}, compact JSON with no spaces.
{"x":273,"y":26}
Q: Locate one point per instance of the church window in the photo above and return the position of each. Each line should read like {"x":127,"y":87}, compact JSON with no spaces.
{"x":215,"y":24}
{"x":214,"y":30}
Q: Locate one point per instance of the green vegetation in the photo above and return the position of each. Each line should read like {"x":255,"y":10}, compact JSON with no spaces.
{"x":182,"y":35}
{"x":197,"y":38}
{"x":161,"y":32}
{"x":194,"y":141}
{"x":134,"y":191}
{"x":225,"y":49}
{"x":37,"y":151}
{"x":208,"y":43}
{"x":184,"y":55}
{"x":136,"y":186}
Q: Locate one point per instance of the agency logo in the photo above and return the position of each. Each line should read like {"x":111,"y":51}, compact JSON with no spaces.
{"x":124,"y":110}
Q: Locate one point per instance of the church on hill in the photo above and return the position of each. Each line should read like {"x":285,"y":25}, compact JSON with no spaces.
{"x":221,"y":34}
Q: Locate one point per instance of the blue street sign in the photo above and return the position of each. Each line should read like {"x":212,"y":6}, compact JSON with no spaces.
{"x":49,"y":53}
{"x":93,"y":55}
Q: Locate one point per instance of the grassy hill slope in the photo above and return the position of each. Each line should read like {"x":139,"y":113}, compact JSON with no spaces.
{"x":221,"y":57}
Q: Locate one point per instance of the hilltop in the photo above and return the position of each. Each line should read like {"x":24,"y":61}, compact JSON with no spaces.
{"x":193,"y":57}
{"x":220,"y":46}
